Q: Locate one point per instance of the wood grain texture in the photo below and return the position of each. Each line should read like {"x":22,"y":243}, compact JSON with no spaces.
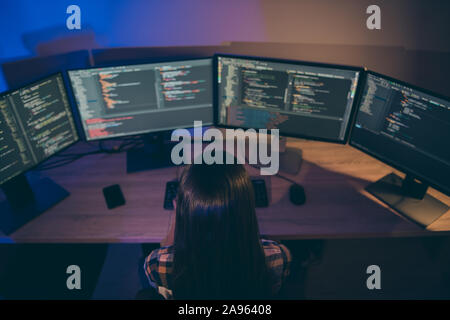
{"x":333,"y":175}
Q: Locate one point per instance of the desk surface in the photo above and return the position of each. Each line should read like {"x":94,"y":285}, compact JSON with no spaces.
{"x":334,"y":177}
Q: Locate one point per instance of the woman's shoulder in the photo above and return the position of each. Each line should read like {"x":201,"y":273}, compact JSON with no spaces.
{"x":278,"y":260}
{"x":158,"y":266}
{"x":159,"y":260}
{"x":274,"y":248}
{"x":160,"y":257}
{"x":277,"y":255}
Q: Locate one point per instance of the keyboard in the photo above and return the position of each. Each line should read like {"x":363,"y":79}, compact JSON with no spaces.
{"x":259,"y":188}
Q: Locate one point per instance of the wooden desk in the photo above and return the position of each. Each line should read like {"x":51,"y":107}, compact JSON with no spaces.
{"x":333,"y":176}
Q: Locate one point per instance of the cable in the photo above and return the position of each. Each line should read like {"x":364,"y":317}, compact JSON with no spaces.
{"x":56,"y":164}
{"x":277,"y":174}
{"x":127,"y":144}
{"x":285,"y":178}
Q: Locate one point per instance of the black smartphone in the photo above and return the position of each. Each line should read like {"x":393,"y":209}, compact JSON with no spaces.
{"x":113,"y":196}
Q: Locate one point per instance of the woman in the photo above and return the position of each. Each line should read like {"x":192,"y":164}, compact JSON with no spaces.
{"x":215,"y":251}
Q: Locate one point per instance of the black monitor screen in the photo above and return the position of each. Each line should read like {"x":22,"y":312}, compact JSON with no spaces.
{"x":299,"y":99}
{"x":135,"y":99}
{"x":35,"y":123}
{"x":405,"y":127}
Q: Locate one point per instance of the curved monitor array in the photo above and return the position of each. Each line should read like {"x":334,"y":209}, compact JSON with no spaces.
{"x":404,"y":126}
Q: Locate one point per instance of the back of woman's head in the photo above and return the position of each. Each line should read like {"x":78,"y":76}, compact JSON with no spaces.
{"x":217,"y":247}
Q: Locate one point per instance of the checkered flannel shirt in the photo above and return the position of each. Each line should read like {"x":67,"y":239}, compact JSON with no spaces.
{"x":158,"y":266}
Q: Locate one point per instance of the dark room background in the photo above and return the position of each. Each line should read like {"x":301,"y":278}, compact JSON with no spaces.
{"x":410,"y":25}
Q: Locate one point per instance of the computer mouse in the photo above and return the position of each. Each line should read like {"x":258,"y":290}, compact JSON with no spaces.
{"x":297,"y":194}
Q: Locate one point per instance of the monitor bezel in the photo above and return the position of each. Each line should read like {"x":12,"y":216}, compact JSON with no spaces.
{"x":387,"y":161}
{"x":78,"y":138}
{"x":294,"y":62}
{"x":120,"y":64}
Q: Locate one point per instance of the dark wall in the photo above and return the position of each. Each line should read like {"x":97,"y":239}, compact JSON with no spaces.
{"x":412,"y":24}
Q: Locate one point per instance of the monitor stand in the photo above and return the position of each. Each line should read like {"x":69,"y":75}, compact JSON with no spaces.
{"x":153,"y":155}
{"x":409,"y":198}
{"x":27,"y":198}
{"x":290,"y":158}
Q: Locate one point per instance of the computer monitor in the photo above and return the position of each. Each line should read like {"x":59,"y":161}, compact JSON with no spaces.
{"x":301,"y":99}
{"x":409,"y":129}
{"x":124,"y":100}
{"x":36,"y":122}
{"x":137,"y":99}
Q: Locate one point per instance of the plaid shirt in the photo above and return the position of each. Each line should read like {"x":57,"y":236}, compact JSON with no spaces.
{"x":158,"y":266}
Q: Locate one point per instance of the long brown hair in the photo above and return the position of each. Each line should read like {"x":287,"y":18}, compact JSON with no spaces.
{"x":218,"y":253}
